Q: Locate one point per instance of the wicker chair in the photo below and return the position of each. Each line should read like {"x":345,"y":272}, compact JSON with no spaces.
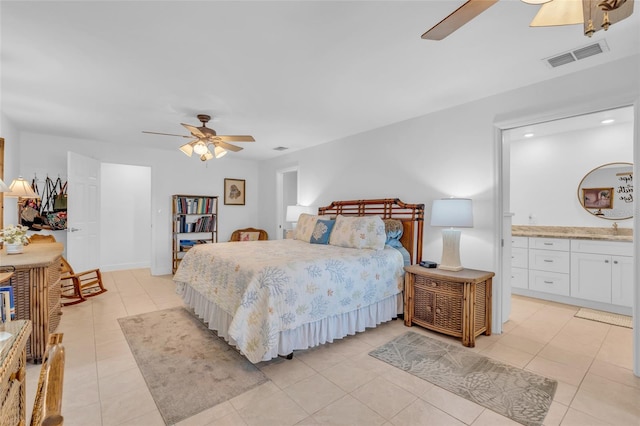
{"x":47,"y":406}
{"x":238,"y":234}
{"x":76,"y":286}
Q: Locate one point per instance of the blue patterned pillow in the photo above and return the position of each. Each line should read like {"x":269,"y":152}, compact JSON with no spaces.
{"x":322,"y":231}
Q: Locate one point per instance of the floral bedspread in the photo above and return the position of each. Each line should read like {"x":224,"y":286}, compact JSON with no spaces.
{"x":272,"y":286}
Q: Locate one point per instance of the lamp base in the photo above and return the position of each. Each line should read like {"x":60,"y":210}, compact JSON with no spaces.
{"x":450,"y":250}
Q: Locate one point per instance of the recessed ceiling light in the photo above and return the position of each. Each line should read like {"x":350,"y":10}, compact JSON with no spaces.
{"x":528,"y":135}
{"x":608,"y":121}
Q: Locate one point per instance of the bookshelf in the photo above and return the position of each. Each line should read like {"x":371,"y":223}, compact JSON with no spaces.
{"x":194,"y":221}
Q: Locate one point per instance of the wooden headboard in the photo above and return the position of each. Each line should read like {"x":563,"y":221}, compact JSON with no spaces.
{"x":411,"y":216}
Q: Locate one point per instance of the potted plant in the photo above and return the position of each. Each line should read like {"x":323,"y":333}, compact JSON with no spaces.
{"x":14,"y":237}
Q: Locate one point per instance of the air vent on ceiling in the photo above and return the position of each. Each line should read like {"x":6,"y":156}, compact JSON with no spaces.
{"x":280,"y":148}
{"x":577,"y":54}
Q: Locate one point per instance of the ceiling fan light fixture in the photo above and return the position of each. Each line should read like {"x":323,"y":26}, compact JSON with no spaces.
{"x":187,"y":149}
{"x":219,"y":152}
{"x":200,"y":148}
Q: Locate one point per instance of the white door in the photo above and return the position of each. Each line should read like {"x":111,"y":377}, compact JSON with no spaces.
{"x":83,"y":208}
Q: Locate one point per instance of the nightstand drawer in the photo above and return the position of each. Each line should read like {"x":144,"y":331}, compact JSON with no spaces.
{"x":439,"y":285}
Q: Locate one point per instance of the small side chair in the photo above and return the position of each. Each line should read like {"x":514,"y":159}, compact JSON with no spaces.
{"x":249,"y":234}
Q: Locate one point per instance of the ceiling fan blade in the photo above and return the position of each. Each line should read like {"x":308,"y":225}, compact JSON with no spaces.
{"x":195,"y":131}
{"x":558,"y":12}
{"x":227,"y":146}
{"x":167,"y":134}
{"x":236,"y":138}
{"x":458,"y":18}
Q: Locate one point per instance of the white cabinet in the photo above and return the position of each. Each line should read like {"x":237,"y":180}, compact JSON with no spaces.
{"x":602,"y":271}
{"x":592,"y":273}
{"x":520,"y":262}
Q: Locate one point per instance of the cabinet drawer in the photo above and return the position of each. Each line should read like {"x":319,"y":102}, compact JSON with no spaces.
{"x":549,"y":282}
{"x":519,"y":257}
{"x":614,"y":248}
{"x":520,"y":242}
{"x":548,"y":260}
{"x":550,"y":244}
{"x":438,"y":286}
{"x":519,"y":277}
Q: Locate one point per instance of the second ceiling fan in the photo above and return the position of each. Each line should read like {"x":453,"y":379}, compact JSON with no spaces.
{"x":594,"y":14}
{"x":206,"y":137}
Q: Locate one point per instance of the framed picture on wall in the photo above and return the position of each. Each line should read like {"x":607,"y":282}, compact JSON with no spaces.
{"x":597,"y":198}
{"x":234,"y":192}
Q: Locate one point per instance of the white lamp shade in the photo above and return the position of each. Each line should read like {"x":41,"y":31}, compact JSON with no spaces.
{"x":187,"y":149}
{"x":452,"y":212}
{"x":4,"y":187}
{"x":21,"y":188}
{"x":294,"y":212}
{"x":219,"y":151}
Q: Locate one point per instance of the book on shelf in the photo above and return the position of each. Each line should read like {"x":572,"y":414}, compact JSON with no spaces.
{"x":194,"y":205}
{"x":7,"y":303}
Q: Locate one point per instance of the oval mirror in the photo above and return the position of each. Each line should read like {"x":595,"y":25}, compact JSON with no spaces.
{"x":607,"y":191}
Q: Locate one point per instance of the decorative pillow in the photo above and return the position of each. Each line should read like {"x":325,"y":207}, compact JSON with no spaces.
{"x":322,"y":231}
{"x":249,"y":236}
{"x":363,"y":232}
{"x":306,"y":225}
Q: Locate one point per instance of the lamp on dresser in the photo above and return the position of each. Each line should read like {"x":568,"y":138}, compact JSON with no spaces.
{"x":451,"y":213}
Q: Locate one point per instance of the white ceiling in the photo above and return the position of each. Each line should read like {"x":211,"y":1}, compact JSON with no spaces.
{"x":290,"y":73}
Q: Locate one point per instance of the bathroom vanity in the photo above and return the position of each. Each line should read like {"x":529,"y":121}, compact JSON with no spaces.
{"x":590,"y":267}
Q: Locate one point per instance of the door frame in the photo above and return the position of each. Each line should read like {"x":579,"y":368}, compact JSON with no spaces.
{"x":280,"y":223}
{"x":502,"y":289}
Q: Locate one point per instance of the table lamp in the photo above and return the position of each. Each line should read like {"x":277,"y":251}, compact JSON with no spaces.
{"x":451,"y":213}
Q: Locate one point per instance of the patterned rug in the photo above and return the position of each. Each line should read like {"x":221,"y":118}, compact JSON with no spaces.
{"x":520,"y":395}
{"x":606,"y":317}
{"x":186,"y":366}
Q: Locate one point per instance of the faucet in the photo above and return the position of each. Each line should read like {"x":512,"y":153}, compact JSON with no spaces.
{"x":615,"y":227}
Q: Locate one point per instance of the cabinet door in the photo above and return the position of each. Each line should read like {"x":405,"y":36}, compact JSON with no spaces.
{"x":622,"y":281}
{"x":519,"y":277}
{"x":591,"y":277}
{"x":519,"y":257}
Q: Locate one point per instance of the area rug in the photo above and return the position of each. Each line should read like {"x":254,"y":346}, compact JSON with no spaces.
{"x":606,"y":317}
{"x":520,"y":395}
{"x":187,"y":367}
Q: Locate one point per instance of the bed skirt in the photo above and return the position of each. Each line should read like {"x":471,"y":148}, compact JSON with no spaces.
{"x":307,"y":335}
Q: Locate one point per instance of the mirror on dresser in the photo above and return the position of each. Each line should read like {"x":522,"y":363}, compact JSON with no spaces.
{"x":607,"y":191}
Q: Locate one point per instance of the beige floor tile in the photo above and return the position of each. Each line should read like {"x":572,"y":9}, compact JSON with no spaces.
{"x":285,"y":372}
{"x":254,"y":395}
{"x":82,"y":416}
{"x":607,"y":400}
{"x":615,"y":373}
{"x":408,"y":382}
{"x":617,"y":347}
{"x":232,"y":419}
{"x":565,"y":393}
{"x":113,"y":385}
{"x":522,"y":343}
{"x":112,"y":349}
{"x":276,"y":409}
{"x":350,"y":347}
{"x":349,"y":375}
{"x":555,"y":414}
{"x":420,"y":413}
{"x":314,"y":393}
{"x":454,"y":405}
{"x":384,"y":397}
{"x":578,"y":418}
{"x":116,"y":364}
{"x":566,"y":357}
{"x":320,"y":358}
{"x":152,"y":418}
{"x":348,"y":411}
{"x":126,"y":407}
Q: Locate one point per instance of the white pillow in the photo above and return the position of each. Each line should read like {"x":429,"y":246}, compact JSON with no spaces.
{"x":306,"y":225}
{"x":362,"y":232}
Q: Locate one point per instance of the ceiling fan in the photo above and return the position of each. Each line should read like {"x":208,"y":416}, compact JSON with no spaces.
{"x":206,"y":137}
{"x":551,"y":13}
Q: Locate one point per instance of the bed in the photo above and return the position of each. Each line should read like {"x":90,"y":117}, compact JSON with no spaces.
{"x":338,"y":276}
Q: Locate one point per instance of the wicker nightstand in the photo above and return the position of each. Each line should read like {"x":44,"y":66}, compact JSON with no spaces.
{"x":454,"y":303}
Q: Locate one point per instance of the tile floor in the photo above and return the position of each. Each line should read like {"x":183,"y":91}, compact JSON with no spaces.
{"x":339,"y":384}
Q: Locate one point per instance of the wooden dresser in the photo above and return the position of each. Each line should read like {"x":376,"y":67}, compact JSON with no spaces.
{"x":13,"y":372}
{"x":36,"y":288}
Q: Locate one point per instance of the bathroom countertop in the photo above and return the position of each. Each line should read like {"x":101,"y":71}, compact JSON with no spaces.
{"x":573,"y":232}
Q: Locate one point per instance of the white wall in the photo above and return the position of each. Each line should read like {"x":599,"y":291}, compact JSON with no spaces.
{"x":11,"y":167}
{"x":546,"y":172}
{"x":171,"y":173}
{"x":448,"y":152}
{"x":125,"y":217}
